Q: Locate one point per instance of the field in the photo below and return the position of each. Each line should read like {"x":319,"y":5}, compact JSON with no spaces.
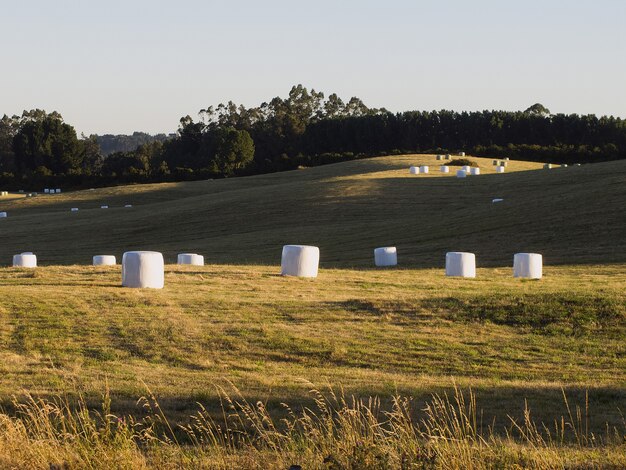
{"x":235,"y":325}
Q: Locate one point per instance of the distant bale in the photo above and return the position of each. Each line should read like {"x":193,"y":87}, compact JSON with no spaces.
{"x":466,"y":169}
{"x":74,"y":209}
{"x":547,"y":166}
{"x":58,"y":191}
{"x":3,"y":215}
{"x":439,"y":157}
{"x":414,"y":170}
{"x":461,"y":173}
{"x":444,"y":169}
{"x":498,"y":199}
{"x":128,"y":205}
{"x":475,"y":171}
{"x":104,"y":260}
{"x":461,"y":154}
{"x":143,"y":269}
{"x":500,"y":169}
{"x":563,"y":165}
{"x":504,"y":164}
{"x":528,"y":265}
{"x":386,"y":256}
{"x":104,"y":207}
{"x":424,"y":169}
{"x":300,"y":260}
{"x":191,"y":258}
{"x":495,"y":163}
{"x":46,"y":191}
{"x":25,"y":260}
{"x":4,"y":193}
{"x":460,"y":264}
{"x":448,"y":157}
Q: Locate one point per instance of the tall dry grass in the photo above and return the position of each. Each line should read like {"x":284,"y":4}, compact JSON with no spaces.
{"x":338,"y":432}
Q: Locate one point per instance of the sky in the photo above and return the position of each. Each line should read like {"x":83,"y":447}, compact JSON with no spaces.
{"x":136,"y":65}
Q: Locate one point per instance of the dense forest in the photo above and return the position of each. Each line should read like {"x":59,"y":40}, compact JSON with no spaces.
{"x":303,"y":129}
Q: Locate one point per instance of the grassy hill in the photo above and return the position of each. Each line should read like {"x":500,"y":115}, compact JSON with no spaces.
{"x":569,"y":214}
{"x":411,"y":331}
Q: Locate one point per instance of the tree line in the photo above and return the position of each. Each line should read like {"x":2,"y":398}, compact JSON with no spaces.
{"x":303,"y":129}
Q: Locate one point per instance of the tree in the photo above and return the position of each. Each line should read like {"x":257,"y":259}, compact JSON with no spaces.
{"x":233,"y":150}
{"x":538,"y":109}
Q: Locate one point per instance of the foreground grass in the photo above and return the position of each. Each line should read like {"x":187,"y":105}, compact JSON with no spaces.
{"x":374,"y":332}
{"x":335,"y":433}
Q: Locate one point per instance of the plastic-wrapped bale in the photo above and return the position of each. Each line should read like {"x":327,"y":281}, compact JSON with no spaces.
{"x":439,"y":157}
{"x":424,"y":169}
{"x":46,"y":191}
{"x":104,"y":207}
{"x":528,"y":265}
{"x":191,"y":258}
{"x":300,"y":260}
{"x":128,"y":205}
{"x":460,"y":264}
{"x":448,"y":157}
{"x":444,"y":169}
{"x":495,"y":162}
{"x":386,"y":256}
{"x":466,"y":168}
{"x":578,"y":164}
{"x":414,"y":170}
{"x":498,"y":199}
{"x":507,"y":159}
{"x":504,"y":164}
{"x":4,"y":193}
{"x":143,"y":269}
{"x":461,"y":173}
{"x":500,"y":169}
{"x":563,"y":165}
{"x":74,"y":209}
{"x":25,"y":260}
{"x":461,"y":154}
{"x":104,"y":260}
{"x":547,"y":166}
{"x":58,"y":191}
{"x":475,"y":171}
{"x":3,"y":215}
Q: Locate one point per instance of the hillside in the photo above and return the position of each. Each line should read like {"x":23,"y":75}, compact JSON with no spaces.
{"x":571,"y":215}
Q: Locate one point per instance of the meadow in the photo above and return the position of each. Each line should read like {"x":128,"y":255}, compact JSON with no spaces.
{"x":236,"y":342}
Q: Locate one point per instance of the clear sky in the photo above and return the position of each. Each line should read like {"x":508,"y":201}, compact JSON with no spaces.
{"x":119,"y":66}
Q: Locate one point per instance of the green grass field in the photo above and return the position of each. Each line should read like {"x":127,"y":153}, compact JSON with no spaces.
{"x":70,"y":329}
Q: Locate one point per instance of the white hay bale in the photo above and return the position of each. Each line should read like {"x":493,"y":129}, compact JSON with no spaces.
{"x":46,"y":191}
{"x":424,"y":169}
{"x":128,"y":205}
{"x":498,"y":199}
{"x":300,"y":260}
{"x":466,"y":168}
{"x":504,"y":164}
{"x":104,"y":260}
{"x":104,"y":207}
{"x":578,"y":164}
{"x":460,"y":264}
{"x":74,"y":209}
{"x":461,"y":154}
{"x":143,"y":269}
{"x":528,"y":265}
{"x":547,"y":166}
{"x":3,"y":215}
{"x":444,"y":169}
{"x":386,"y":256}
{"x":191,"y":258}
{"x":414,"y":170}
{"x":475,"y":171}
{"x":448,"y":157}
{"x":507,"y":159}
{"x":499,"y":169}
{"x":461,"y":173}
{"x":564,"y":166}
{"x":58,"y":191}
{"x":439,"y":157}
{"x":495,"y":162}
{"x":25,"y":260}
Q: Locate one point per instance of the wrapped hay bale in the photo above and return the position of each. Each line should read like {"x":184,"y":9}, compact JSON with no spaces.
{"x":500,"y":169}
{"x":191,"y":258}
{"x":460,"y":264}
{"x":461,"y":154}
{"x":547,"y":166}
{"x":143,"y":269}
{"x":25,"y":260}
{"x":444,"y":169}
{"x":300,"y":260}
{"x":58,"y":191}
{"x":504,"y":164}
{"x":439,"y":157}
{"x":495,"y":163}
{"x":128,"y":205}
{"x":461,"y":173}
{"x":498,"y":199}
{"x":528,"y":265}
{"x":466,"y":168}
{"x":104,"y":207}
{"x":3,"y":215}
{"x":414,"y":170}
{"x":475,"y":171}
{"x":46,"y":191}
{"x":424,"y":169}
{"x":104,"y":260}
{"x":564,"y":166}
{"x":74,"y":209}
{"x":386,"y":256}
